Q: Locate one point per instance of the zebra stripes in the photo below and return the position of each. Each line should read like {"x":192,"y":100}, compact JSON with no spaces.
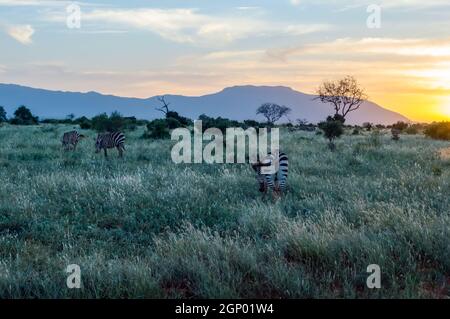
{"x":110,"y":140}
{"x":274,"y":181}
{"x":71,"y":139}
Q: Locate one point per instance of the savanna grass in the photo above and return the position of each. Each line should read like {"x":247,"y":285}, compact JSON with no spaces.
{"x":143,"y":227}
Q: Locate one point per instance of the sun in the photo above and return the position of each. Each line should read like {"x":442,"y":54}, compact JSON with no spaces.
{"x":445,"y":108}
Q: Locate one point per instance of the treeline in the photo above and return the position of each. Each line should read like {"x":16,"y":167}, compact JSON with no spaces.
{"x":332,"y":128}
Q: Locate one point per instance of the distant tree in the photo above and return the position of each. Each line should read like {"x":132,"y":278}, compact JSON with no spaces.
{"x":84,"y":123}
{"x":70,"y":117}
{"x":345,"y":95}
{"x":2,"y":114}
{"x":401,"y":126}
{"x":412,"y":130}
{"x":157,"y":129}
{"x":105,"y":123}
{"x":251,"y":123}
{"x":302,"y":122}
{"x":332,"y":129}
{"x":220,"y":123}
{"x":117,"y":121}
{"x":438,"y":131}
{"x":173,"y":123}
{"x":183,"y":121}
{"x":273,"y":112}
{"x":23,"y":116}
{"x":164,"y":105}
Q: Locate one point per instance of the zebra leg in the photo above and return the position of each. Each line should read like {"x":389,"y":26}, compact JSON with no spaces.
{"x":106,"y":152}
{"x":119,"y":148}
{"x":276,"y":193}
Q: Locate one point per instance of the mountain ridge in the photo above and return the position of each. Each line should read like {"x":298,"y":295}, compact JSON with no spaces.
{"x":236,"y":102}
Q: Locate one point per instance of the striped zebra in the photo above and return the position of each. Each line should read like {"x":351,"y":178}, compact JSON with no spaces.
{"x":71,"y":139}
{"x":274,"y":180}
{"x":110,"y":140}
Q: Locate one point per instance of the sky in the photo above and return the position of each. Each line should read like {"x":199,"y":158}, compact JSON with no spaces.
{"x":399,"y":50}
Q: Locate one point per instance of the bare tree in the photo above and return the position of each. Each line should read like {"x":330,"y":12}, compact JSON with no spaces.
{"x":345,"y":95}
{"x":165,"y":105}
{"x":273,"y":112}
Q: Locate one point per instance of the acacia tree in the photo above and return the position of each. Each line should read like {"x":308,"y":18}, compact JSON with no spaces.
{"x":165,"y":105}
{"x":345,"y":95}
{"x":272,"y":112}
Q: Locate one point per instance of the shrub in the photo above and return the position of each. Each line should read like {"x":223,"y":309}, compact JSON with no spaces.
{"x":183,"y":121}
{"x":173,"y":123}
{"x":412,"y":130}
{"x":157,"y":129}
{"x":113,"y":123}
{"x":220,"y":123}
{"x":84,"y":123}
{"x":438,"y":131}
{"x":2,"y":114}
{"x":252,"y":123}
{"x":332,"y":129}
{"x":400,"y":126}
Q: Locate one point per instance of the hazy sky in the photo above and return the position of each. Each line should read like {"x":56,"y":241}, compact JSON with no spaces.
{"x":144,"y":48}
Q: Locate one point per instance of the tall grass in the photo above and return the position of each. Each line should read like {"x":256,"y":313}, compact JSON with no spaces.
{"x":143,"y":227}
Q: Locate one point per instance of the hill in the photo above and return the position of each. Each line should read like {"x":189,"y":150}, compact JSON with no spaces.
{"x":238,"y":103}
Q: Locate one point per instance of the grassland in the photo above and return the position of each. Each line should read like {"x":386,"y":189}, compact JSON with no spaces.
{"x":143,"y":227}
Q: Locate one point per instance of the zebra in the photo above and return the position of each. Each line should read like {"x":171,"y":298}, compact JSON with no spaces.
{"x":276,"y":181}
{"x":110,"y":140}
{"x":71,"y":139}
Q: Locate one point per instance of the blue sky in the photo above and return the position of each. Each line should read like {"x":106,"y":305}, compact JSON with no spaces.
{"x":144,"y":48}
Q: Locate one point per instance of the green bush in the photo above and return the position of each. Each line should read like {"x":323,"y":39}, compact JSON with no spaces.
{"x":220,"y":123}
{"x":332,"y":129}
{"x":438,"y":131}
{"x":23,"y":116}
{"x":2,"y":114}
{"x":400,"y":126}
{"x":113,"y":123}
{"x":180,"y":120}
{"x":412,"y":130}
{"x":157,"y":129}
{"x":173,"y":123}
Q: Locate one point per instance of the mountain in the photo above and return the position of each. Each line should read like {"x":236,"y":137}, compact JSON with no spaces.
{"x":239,"y":103}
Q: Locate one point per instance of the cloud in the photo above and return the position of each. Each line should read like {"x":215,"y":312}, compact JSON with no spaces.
{"x":382,"y":47}
{"x":345,"y":5}
{"x":192,"y":26}
{"x":42,"y":3}
{"x":21,"y":33}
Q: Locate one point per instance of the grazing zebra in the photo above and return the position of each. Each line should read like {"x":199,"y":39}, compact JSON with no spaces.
{"x":395,"y":134}
{"x":110,"y":140}
{"x":275,"y":180}
{"x":71,"y":139}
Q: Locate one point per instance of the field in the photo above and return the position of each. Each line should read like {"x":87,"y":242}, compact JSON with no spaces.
{"x":143,"y":227}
